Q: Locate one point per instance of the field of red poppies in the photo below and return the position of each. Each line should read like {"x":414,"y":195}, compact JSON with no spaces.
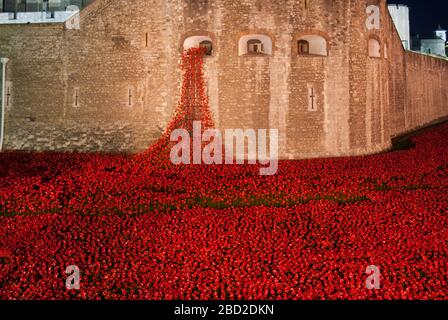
{"x":138,"y":227}
{"x":139,"y":230}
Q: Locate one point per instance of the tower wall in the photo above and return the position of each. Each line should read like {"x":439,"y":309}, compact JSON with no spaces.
{"x":112,"y":85}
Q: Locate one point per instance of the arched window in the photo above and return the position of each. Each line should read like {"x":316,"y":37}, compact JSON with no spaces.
{"x":207,"y":44}
{"x":312,"y":45}
{"x":255,"y":44}
{"x":303,"y":46}
{"x":199,"y":42}
{"x":374,"y":48}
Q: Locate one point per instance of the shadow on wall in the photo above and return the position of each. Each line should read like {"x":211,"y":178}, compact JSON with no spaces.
{"x":405,"y":142}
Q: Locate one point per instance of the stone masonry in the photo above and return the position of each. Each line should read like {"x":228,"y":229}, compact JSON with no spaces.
{"x":112,"y":85}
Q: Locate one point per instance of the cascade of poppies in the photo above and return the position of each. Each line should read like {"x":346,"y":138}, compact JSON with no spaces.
{"x":192,"y":106}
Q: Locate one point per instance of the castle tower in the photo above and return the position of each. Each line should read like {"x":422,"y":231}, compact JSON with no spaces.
{"x":400,"y":16}
{"x":441,"y":33}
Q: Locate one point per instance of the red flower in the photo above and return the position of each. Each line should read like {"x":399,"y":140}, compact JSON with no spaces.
{"x":141,"y":228}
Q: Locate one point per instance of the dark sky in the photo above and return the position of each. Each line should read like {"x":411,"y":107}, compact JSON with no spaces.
{"x":426,"y":15}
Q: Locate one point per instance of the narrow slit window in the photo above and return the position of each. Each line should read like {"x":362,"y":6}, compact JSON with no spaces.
{"x":8,"y":95}
{"x":306,"y":4}
{"x":76,"y":98}
{"x":312,"y":99}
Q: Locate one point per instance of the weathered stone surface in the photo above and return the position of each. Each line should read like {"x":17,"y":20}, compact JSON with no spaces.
{"x":113,"y":84}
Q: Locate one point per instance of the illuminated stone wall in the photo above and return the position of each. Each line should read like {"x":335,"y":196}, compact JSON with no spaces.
{"x":112,"y":85}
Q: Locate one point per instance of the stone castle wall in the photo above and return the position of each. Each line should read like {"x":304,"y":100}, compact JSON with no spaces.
{"x":112,"y":85}
{"x":417,"y":88}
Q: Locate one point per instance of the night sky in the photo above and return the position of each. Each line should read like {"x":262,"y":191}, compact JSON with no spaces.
{"x":426,"y":15}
